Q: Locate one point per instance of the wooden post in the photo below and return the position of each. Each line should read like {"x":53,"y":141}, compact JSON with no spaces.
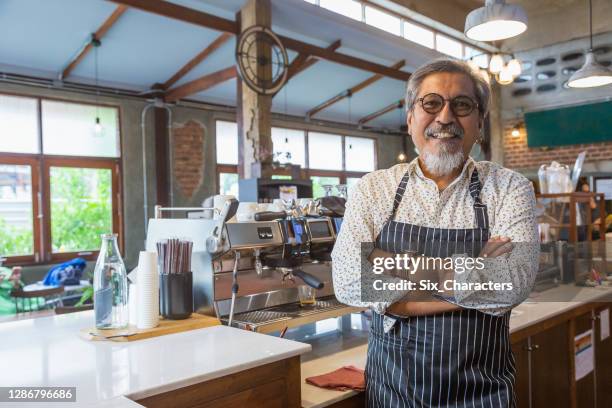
{"x":254,"y":110}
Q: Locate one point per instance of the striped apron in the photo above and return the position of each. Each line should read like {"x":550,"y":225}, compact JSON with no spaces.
{"x":460,"y":358}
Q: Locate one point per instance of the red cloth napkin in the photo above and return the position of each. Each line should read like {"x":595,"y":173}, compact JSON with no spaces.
{"x":343,"y":379}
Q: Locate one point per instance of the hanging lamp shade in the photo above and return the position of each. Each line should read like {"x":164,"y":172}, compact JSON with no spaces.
{"x":515,"y":67}
{"x":496,"y":64}
{"x":495,"y":21}
{"x":591,"y":74}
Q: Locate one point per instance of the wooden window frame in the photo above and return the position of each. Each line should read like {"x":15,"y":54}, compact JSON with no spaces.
{"x":80,"y":163}
{"x":18,"y":159}
{"x":40,"y":164}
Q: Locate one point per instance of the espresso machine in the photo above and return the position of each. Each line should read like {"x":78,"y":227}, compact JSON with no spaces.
{"x":247,"y":273}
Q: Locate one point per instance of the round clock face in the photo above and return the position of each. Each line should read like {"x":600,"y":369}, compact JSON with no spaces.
{"x":262,"y":60}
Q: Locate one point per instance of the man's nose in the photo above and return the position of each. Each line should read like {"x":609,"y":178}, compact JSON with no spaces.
{"x":446,"y":115}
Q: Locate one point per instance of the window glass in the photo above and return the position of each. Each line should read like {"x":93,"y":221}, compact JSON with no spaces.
{"x":289,"y":146}
{"x":81,"y":208}
{"x":18,"y":124}
{"x":319,"y":182}
{"x":227,"y":142}
{"x":351,"y":182}
{"x":418,"y":34}
{"x":449,"y":46}
{"x":324,"y":151}
{"x":359,"y":154}
{"x":16,"y":221}
{"x":228,"y":184}
{"x":69,"y":129}
{"x":349,"y":8}
{"x":480,"y":58}
{"x":280,"y":177}
{"x":382,"y":20}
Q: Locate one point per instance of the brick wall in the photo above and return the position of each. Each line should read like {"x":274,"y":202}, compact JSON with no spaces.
{"x":518,"y":156}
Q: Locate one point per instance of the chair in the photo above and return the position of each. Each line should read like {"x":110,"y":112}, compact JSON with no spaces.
{"x":52,"y":298}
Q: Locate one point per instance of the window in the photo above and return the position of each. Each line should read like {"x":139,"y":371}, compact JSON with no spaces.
{"x":18,"y":124}
{"x":351,"y":182}
{"x":349,"y":8}
{"x":318,"y":182}
{"x":16,"y":210}
{"x":228,"y":184}
{"x":59,"y":184}
{"x":324,"y":151}
{"x":227,"y":157}
{"x":382,"y":20}
{"x":449,"y":46}
{"x":325,"y":158}
{"x":418,"y":34}
{"x":69,"y":130}
{"x":81,"y":207}
{"x":227,"y":142}
{"x":289,"y":146}
{"x":359,"y":154}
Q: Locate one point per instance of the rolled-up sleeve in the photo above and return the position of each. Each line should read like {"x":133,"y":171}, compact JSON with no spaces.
{"x":514,"y":218}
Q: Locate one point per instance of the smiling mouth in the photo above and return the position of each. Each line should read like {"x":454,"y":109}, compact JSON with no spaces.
{"x":445,"y":136}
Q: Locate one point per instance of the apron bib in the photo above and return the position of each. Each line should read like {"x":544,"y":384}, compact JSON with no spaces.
{"x":460,"y":358}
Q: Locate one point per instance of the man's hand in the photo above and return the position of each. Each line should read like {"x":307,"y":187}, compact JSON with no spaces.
{"x":496,"y":246}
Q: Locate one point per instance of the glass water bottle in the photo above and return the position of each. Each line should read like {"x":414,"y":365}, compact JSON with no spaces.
{"x":110,"y":286}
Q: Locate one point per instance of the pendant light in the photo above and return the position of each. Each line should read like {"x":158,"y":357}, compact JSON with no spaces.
{"x":496,"y":64}
{"x":98,"y":129}
{"x":514,"y":66}
{"x":504,"y":77}
{"x":495,"y":21}
{"x":591,"y":74}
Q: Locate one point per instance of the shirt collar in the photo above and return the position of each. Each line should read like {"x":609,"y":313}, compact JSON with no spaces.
{"x":415,"y":169}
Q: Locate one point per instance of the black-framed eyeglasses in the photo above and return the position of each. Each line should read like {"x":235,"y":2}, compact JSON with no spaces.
{"x":461,"y":105}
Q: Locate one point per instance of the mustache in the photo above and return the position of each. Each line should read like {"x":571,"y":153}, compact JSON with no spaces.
{"x":451,"y":128}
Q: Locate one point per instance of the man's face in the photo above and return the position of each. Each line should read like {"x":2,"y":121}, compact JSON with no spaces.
{"x":430,"y":131}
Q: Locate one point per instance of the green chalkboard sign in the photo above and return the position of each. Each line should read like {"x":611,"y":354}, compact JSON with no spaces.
{"x":568,"y":126}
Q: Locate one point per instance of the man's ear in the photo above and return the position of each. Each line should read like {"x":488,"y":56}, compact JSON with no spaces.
{"x":408,"y":120}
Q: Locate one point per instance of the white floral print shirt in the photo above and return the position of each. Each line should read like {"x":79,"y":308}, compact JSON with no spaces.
{"x":510,"y":202}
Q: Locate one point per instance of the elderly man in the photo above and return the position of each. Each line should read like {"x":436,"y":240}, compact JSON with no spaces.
{"x":451,"y":348}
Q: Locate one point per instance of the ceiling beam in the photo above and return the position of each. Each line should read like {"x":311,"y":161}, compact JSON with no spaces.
{"x":351,"y":91}
{"x":100,"y":32}
{"x":201,"y":84}
{"x":344,"y":59}
{"x":395,"y":105}
{"x":218,"y":42}
{"x":305,"y":61}
{"x":202,"y":19}
{"x":186,"y":14}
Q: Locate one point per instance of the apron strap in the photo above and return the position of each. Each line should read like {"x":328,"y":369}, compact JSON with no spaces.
{"x":480,"y":209}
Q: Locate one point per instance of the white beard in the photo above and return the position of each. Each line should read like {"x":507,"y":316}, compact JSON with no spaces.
{"x":443,"y":163}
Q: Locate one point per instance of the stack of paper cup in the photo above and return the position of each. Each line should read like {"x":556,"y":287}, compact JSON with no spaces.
{"x":147,"y":292}
{"x":133,"y":302}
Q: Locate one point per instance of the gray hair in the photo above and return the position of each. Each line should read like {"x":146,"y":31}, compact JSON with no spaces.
{"x":482,"y":89}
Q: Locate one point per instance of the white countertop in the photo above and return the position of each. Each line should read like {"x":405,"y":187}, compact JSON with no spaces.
{"x":539,"y":307}
{"x":49,"y":352}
